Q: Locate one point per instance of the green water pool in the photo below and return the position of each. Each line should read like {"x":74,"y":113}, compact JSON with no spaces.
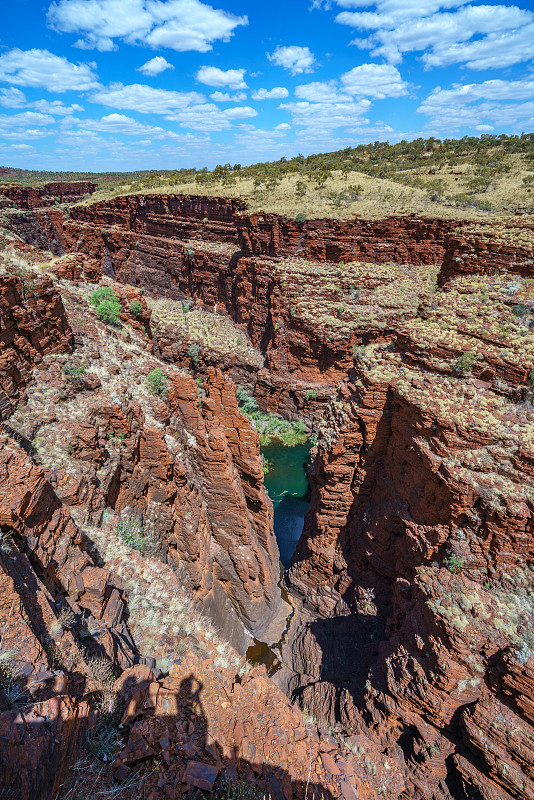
{"x":288,"y":488}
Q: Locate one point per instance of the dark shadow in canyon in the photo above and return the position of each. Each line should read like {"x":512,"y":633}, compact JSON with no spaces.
{"x":162,"y":754}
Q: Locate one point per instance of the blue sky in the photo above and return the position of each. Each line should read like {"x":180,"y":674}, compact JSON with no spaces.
{"x":163,"y":84}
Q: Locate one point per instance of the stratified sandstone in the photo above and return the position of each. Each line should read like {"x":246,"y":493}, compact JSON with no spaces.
{"x":410,"y":339}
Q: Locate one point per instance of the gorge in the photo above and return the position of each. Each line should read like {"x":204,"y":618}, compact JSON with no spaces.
{"x":405,"y":345}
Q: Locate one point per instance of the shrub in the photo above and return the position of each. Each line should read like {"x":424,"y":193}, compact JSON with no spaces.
{"x":109,"y":311}
{"x":136,"y":308}
{"x":102,"y":293}
{"x":193,"y":353}
{"x":73,"y":373}
{"x":157,"y":383}
{"x":300,"y":219}
{"x":464,"y":365}
{"x":267,"y":465}
{"x":246,"y":402}
{"x":311,"y":394}
{"x":186,"y":306}
{"x":358,"y":352}
{"x":531,"y":377}
{"x":453,"y":563}
{"x":130,"y":531}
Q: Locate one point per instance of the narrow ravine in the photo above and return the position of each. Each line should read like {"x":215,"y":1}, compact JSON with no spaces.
{"x":287,"y":484}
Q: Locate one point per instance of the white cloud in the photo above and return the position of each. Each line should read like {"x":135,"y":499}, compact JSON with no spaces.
{"x":56,"y":107}
{"x":282,"y":127}
{"x":177,"y":24}
{"x":209,"y":117}
{"x":293,"y":58}
{"x":449,"y":31}
{"x":278,"y":93}
{"x":42,"y":69}
{"x":120,"y":123}
{"x":12,"y":98}
{"x":322,"y":92}
{"x":213,"y":76}
{"x":491,"y":103}
{"x":155,"y":66}
{"x":224,"y":97}
{"x":26,"y":125}
{"x":147,"y":100}
{"x":327,"y":116}
{"x":374,"y":80}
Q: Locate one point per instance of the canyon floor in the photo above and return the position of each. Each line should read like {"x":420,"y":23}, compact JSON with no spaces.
{"x":147,"y":341}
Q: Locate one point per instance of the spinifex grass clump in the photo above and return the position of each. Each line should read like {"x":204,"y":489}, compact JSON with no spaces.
{"x":134,"y":534}
{"x":107,"y":304}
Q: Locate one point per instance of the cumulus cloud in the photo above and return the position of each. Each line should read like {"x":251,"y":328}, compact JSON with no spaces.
{"x":374,"y":80}
{"x":225,"y":97}
{"x":177,"y":24}
{"x":322,"y":92}
{"x":293,"y":58}
{"x":155,"y":66}
{"x":278,"y":93}
{"x":327,"y":116}
{"x":210,"y":118}
{"x":448,"y":31}
{"x":26,"y":125}
{"x":122,"y":124}
{"x":42,"y":69}
{"x":12,"y":98}
{"x":146,"y":99}
{"x":213,"y":76}
{"x":480,"y":104}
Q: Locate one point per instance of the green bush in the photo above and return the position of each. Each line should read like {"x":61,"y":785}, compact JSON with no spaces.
{"x":109,"y":311}
{"x":102,"y":293}
{"x":72,"y":373}
{"x":247,"y":403}
{"x":130,"y":531}
{"x":157,"y":383}
{"x":300,"y":219}
{"x":453,"y":563}
{"x":311,"y":394}
{"x":193,"y":353}
{"x":464,"y":365}
{"x":136,"y":308}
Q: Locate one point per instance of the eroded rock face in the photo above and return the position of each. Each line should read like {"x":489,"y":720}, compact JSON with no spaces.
{"x":29,"y":197}
{"x":414,"y":570}
{"x":32,"y":323}
{"x":412,"y":581}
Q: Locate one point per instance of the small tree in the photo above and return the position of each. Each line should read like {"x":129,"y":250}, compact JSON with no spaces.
{"x":109,"y":310}
{"x":157,"y":383}
{"x":102,"y":293}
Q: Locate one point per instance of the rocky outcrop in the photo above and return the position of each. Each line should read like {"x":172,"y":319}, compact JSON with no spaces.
{"x":489,"y":249}
{"x":415,"y":556}
{"x":32,"y":323}
{"x":403,"y":240}
{"x":30,"y":197}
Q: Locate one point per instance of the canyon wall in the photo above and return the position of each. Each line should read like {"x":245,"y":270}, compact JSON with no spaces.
{"x":411,"y":338}
{"x":29,"y":197}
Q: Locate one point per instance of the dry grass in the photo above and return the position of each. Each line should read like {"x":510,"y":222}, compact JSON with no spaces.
{"x":380,"y":197}
{"x":214,"y":332}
